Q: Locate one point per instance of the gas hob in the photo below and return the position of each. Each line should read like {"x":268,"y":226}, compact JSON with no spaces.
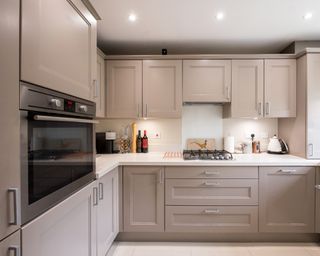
{"x":207,"y":155}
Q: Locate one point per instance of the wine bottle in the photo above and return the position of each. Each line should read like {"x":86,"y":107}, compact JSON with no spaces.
{"x":139,"y":142}
{"x":145,"y":142}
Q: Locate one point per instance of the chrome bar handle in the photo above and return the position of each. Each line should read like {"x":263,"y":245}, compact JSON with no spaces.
{"x":259,"y":108}
{"x":95,"y":85}
{"x":146,"y":114}
{"x":161,"y":177}
{"x":211,"y":211}
{"x":211,"y":173}
{"x":267,"y":108}
{"x":64,"y":119}
{"x":101,"y":192}
{"x":288,"y":171}
{"x":310,"y":149}
{"x":228,"y":92}
{"x":16,"y":207}
{"x":214,"y":184}
{"x":15,"y":249}
{"x":95,"y":196}
{"x":138,"y":110}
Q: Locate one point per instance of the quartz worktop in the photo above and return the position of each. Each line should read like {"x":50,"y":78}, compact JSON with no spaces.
{"x":105,"y":163}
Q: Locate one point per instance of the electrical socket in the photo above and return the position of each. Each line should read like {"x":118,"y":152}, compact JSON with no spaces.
{"x":155,"y":135}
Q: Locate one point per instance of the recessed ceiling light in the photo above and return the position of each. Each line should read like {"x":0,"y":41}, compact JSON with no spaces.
{"x":307,"y":16}
{"x":220,"y":16}
{"x":132,"y":17}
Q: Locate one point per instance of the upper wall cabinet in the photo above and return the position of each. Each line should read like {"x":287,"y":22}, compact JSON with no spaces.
{"x":280,"y":88}
{"x":206,"y":80}
{"x":124,"y":89}
{"x":59,"y":52}
{"x":162,"y":88}
{"x":99,"y":90}
{"x":247,"y":88}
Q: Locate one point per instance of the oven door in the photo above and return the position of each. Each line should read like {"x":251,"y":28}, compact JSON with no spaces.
{"x":58,"y":158}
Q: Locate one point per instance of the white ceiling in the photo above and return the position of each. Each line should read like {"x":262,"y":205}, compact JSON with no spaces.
{"x":190,"y":26}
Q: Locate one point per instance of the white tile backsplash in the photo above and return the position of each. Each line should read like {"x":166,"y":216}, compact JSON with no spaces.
{"x":198,"y":121}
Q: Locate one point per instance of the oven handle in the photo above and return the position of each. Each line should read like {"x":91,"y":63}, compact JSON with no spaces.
{"x":64,"y":119}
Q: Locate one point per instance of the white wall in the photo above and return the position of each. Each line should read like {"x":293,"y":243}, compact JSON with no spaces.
{"x":198,"y":121}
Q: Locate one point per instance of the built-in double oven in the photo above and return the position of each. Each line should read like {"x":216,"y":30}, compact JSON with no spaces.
{"x":57,"y":147}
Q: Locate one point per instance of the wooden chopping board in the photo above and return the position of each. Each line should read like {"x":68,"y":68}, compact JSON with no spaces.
{"x":201,"y":144}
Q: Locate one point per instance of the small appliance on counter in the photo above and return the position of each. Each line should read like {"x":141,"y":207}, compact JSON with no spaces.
{"x":277,"y":146}
{"x":105,"y":141}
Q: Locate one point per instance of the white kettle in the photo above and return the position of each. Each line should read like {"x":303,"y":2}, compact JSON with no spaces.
{"x":277,"y":146}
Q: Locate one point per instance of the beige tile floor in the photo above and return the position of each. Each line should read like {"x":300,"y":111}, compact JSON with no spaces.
{"x":214,"y":249}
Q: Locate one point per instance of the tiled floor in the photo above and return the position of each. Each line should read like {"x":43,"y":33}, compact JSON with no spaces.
{"x":214,"y":249}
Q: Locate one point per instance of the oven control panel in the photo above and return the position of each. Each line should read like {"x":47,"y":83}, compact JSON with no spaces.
{"x":36,"y":98}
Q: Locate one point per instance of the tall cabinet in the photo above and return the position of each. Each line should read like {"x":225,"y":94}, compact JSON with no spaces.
{"x":58,"y":46}
{"x":306,"y":125}
{"x":10,"y":119}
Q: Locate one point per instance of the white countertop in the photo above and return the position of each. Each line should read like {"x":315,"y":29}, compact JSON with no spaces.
{"x":106,"y":163}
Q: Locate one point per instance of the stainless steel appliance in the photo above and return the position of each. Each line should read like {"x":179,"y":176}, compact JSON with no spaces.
{"x":57,"y":147}
{"x":207,"y":155}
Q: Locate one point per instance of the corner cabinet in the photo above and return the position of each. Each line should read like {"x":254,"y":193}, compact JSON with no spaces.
{"x":206,"y":81}
{"x":107,"y":211}
{"x":66,"y":229}
{"x":286,"y":199}
{"x":280,"y":88}
{"x":143,"y":199}
{"x":162,"y":88}
{"x":124,"y":88}
{"x":100,"y":85}
{"x":58,"y":46}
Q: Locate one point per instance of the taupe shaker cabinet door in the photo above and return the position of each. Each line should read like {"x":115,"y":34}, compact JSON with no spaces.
{"x":124,"y":88}
{"x":10,"y":117}
{"x":280,"y":87}
{"x":206,"y":80}
{"x":143,"y":195}
{"x":286,"y":199}
{"x":66,"y":229}
{"x":58,"y":46}
{"x":162,"y":88}
{"x":247,"y":88}
{"x":11,"y":245}
{"x":107,"y":211}
{"x":99,"y":90}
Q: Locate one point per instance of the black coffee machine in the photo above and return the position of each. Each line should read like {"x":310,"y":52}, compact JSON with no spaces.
{"x":105,"y":141}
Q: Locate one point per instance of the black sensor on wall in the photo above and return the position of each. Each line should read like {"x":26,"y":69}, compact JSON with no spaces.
{"x":164,"y":51}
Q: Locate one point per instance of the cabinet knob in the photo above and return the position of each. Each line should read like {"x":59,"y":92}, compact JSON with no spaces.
{"x":83,"y":108}
{"x":56,"y":103}
{"x":317,"y":187}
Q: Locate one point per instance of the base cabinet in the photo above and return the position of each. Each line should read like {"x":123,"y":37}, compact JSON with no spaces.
{"x":67,"y":229}
{"x":107,"y":211}
{"x":287,"y":197}
{"x":143,"y":199}
{"x":11,"y":245}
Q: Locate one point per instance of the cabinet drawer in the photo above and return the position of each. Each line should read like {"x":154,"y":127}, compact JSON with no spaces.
{"x":221,"y":219}
{"x":212,"y":172}
{"x":212,"y":192}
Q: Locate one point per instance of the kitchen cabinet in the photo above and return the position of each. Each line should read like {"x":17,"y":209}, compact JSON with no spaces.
{"x":218,"y":219}
{"x":66,"y":229}
{"x":124,"y":89}
{"x":99,"y":90}
{"x":286,"y":199}
{"x":302,"y":133}
{"x":317,"y":188}
{"x":107,"y":211}
{"x":247,"y":88}
{"x":10,"y":118}
{"x":143,"y":199}
{"x":280,"y":87}
{"x":162,"y":88}
{"x":59,"y":52}
{"x":206,"y":80}
{"x":11,"y":245}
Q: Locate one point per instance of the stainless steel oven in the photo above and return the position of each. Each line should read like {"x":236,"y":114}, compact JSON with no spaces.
{"x":57,"y":147}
